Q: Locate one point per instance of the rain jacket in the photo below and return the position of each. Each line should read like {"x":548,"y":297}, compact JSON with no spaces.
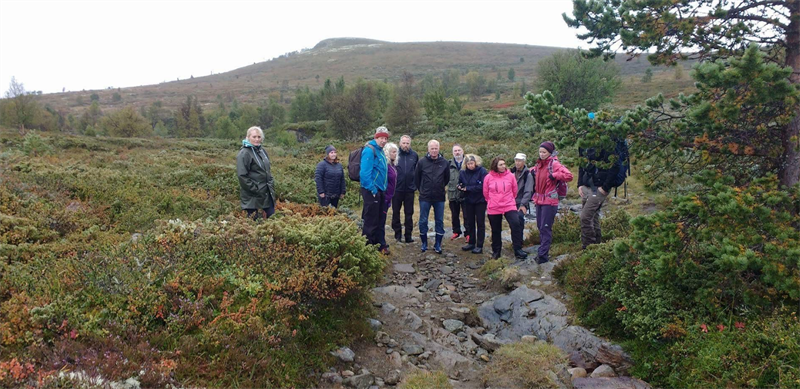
{"x":431,"y":177}
{"x":472,"y":181}
{"x":453,"y":194}
{"x":545,"y":187}
{"x":525,"y":187}
{"x":256,"y":184}
{"x":500,"y":190}
{"x":406,"y":166}
{"x":373,"y":168}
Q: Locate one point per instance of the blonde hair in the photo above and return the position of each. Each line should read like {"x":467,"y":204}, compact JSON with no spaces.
{"x":388,"y":149}
{"x":255,"y":128}
{"x":471,"y":158}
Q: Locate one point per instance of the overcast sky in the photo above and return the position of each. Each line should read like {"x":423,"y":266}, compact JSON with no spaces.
{"x":50,"y":45}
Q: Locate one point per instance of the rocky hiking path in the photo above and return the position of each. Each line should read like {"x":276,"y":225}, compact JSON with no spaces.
{"x":435,"y":313}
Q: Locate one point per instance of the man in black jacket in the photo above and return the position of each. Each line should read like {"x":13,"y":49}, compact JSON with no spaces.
{"x":404,"y":191}
{"x":594,"y":185}
{"x":431,"y":177}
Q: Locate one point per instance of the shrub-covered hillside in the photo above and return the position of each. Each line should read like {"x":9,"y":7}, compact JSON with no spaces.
{"x":128,"y":258}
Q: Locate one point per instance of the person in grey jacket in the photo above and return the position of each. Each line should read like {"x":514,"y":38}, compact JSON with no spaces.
{"x":329,"y":178}
{"x":524,"y":185}
{"x":455,"y":197}
{"x":256,"y":184}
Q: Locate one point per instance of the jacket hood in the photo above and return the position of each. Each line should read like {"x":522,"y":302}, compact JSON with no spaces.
{"x":246,"y":143}
{"x":503,"y":174}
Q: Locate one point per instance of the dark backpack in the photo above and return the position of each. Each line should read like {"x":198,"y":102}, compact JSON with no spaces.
{"x":623,"y":162}
{"x":354,"y":163}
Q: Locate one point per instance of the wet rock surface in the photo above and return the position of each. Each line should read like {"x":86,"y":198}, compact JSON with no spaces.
{"x":433,"y":312}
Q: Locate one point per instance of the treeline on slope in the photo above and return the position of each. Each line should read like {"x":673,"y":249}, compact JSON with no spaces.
{"x":343,"y":111}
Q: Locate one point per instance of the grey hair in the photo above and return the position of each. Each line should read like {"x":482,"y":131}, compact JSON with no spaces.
{"x":406,"y":136}
{"x":471,"y":158}
{"x":388,"y":149}
{"x":433,"y":141}
{"x":255,"y":128}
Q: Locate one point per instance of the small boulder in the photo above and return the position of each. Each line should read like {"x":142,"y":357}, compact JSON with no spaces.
{"x":392,"y":378}
{"x":603,"y":371}
{"x":344,"y":354}
{"x":361,"y":381}
{"x":413,"y":349}
{"x":333,"y":378}
{"x":453,"y":325}
{"x":374,"y":324}
{"x":577,"y":372}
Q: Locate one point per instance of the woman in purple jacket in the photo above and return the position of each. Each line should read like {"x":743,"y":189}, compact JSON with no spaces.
{"x":391,"y":157}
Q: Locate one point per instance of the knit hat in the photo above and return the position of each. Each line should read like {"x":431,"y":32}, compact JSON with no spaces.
{"x":549,"y":146}
{"x":329,"y":149}
{"x":521,"y":156}
{"x":381,"y":132}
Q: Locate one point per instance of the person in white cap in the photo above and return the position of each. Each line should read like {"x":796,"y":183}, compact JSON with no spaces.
{"x":524,"y":185}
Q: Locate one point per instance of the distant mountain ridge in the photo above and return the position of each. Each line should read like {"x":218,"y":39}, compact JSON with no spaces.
{"x":351,"y":58}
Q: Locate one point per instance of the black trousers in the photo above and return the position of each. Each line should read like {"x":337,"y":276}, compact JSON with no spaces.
{"x":455,"y":212}
{"x":496,"y":221}
{"x":406,"y":201}
{"x":475,"y":214}
{"x":327,"y":201}
{"x":372,"y":216}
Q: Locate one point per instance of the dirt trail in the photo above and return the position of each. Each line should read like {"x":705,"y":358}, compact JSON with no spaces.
{"x":435,"y":313}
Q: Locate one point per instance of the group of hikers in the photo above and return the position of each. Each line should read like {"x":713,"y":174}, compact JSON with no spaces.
{"x":390,"y":175}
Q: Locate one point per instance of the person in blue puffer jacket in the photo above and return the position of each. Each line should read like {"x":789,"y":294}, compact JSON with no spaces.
{"x":373,"y":176}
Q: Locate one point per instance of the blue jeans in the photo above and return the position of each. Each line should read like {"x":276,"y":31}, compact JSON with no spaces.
{"x":438,"y":217}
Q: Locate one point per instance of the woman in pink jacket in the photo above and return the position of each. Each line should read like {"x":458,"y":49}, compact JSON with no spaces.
{"x":548,"y":173}
{"x":500,"y":191}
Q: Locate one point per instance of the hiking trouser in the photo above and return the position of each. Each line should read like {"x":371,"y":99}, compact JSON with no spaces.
{"x":438,"y":217}
{"x":496,"y":222}
{"x":372,"y":215}
{"x":455,"y":212}
{"x":545,"y":217}
{"x":406,"y":201}
{"x":327,"y":201}
{"x":592,"y":200}
{"x":475,"y":215}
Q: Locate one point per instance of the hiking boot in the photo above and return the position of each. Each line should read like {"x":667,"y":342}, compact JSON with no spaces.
{"x":424,"y":240}
{"x":542,"y":259}
{"x":438,"y":245}
{"x":384,"y":251}
{"x":455,"y":235}
{"x":519,"y":254}
{"x":496,"y":254}
{"x":467,"y":247}
{"x":477,"y":250}
{"x":409,"y":239}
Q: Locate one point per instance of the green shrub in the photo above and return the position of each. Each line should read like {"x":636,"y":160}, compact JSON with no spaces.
{"x":524,"y":365}
{"x":567,"y":227}
{"x":735,"y":353}
{"x":33,"y":144}
{"x":426,"y":380}
{"x":267,"y":301}
{"x":588,"y":278}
